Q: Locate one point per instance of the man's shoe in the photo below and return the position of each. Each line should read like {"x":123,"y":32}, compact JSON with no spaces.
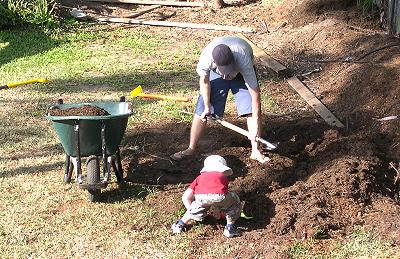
{"x":178,"y":156}
{"x":231,"y":231}
{"x":178,"y":228}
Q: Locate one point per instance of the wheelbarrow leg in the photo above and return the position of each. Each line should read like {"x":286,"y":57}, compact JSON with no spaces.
{"x":68,"y":166}
{"x":119,"y":173}
{"x":106,"y":168}
{"x":68,"y":169}
{"x":114,"y":166}
{"x":78,"y":158}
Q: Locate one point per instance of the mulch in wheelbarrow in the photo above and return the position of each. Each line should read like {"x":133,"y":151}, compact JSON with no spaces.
{"x":84,"y":110}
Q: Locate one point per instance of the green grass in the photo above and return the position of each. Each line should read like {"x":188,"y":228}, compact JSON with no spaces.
{"x":297,"y":250}
{"x":359,"y":244}
{"x":94,"y":58}
{"x":25,"y":12}
{"x":180,"y":213}
{"x":366,"y":6}
{"x":114,"y":61}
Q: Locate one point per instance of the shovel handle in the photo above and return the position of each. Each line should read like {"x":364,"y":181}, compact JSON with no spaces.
{"x":244,"y":132}
{"x":233,"y":127}
{"x":164,"y":97}
{"x":31,"y":81}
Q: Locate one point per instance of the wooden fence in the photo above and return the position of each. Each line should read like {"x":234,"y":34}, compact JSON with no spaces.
{"x":390,"y":15}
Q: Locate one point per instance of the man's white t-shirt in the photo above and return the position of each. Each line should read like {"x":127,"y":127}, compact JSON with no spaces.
{"x":243,"y":56}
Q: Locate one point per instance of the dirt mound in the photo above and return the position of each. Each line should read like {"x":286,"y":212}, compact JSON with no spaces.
{"x":320,"y":183}
{"x":306,"y":12}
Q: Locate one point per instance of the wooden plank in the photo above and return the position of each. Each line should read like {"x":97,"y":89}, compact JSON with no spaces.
{"x":396,"y":18}
{"x":265,"y":58}
{"x":146,"y":10}
{"x":316,"y":104}
{"x":390,"y":14}
{"x":176,"y":24}
{"x":154,"y":2}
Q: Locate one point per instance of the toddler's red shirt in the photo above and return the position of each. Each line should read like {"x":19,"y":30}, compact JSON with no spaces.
{"x":210,"y":183}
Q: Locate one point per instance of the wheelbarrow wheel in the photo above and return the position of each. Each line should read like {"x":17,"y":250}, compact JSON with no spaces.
{"x":93,"y":176}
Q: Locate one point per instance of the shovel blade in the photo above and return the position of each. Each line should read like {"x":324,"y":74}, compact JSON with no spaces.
{"x":137,"y":91}
{"x":268,"y":145}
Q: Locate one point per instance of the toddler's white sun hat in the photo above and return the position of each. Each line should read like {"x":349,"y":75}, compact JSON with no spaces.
{"x":215,"y":163}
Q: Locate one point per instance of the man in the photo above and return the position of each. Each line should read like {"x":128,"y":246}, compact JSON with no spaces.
{"x":226,"y":63}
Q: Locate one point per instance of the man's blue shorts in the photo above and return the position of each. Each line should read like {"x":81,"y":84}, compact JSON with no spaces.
{"x":219,"y":94}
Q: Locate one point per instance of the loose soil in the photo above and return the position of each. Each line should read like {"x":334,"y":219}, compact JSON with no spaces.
{"x":84,"y":110}
{"x":321,"y":181}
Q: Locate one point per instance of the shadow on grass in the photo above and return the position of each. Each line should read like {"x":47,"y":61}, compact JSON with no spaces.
{"x":160,"y":82}
{"x":31,"y":169}
{"x":16,"y":44}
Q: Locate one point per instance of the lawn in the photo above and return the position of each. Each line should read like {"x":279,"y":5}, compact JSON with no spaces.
{"x":41,"y":216}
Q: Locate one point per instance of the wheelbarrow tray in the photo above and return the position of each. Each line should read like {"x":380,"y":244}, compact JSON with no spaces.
{"x":90,"y":142}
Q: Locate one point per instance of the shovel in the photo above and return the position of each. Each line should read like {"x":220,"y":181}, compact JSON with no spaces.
{"x":32,"y":81}
{"x":138,"y":92}
{"x":268,"y":145}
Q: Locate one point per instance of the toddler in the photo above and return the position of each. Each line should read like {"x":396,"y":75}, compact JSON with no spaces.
{"x":210,"y":188}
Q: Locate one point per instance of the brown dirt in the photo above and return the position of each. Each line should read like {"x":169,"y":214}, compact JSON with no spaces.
{"x":84,"y":110}
{"x":321,"y":181}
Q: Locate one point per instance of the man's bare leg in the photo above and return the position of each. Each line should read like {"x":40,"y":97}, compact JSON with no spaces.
{"x":198,"y":126}
{"x":197,"y":129}
{"x":254,"y":130}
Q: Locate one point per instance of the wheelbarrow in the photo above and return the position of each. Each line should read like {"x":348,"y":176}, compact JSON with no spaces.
{"x":95,"y":137}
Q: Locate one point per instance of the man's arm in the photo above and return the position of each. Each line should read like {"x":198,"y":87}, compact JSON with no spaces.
{"x":255,"y":120}
{"x":205,"y":90}
{"x":248,"y":72}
